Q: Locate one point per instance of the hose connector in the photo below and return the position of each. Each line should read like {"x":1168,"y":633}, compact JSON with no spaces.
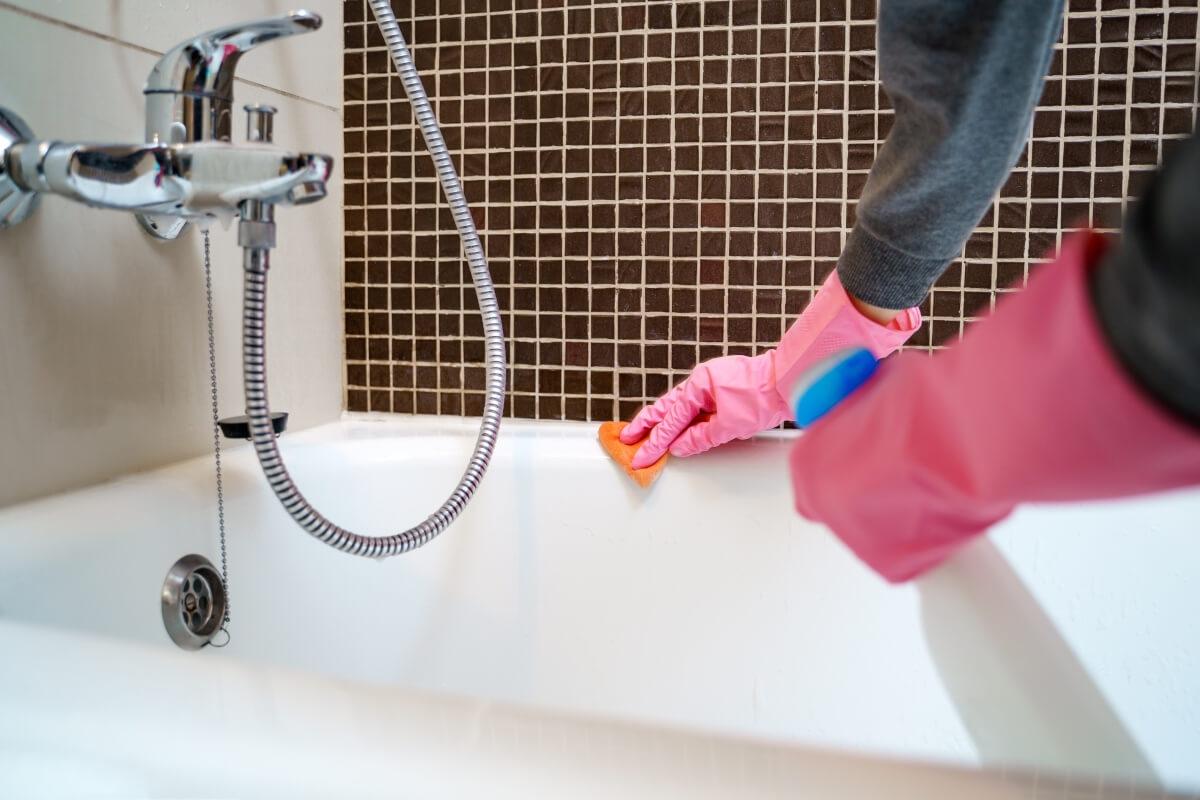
{"x":256,"y":230}
{"x":256,"y":234}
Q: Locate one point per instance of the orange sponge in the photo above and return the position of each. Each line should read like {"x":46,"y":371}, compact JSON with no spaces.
{"x":623,"y":454}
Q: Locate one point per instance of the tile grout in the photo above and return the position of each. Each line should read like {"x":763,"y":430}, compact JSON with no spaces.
{"x":663,"y":272}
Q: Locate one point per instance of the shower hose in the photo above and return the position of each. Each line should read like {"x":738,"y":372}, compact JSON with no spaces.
{"x":254,"y":361}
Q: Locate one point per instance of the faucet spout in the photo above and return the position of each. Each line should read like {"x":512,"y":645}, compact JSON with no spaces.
{"x":189,"y":94}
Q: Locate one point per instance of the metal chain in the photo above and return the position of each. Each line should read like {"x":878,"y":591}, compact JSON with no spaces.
{"x":212,"y":375}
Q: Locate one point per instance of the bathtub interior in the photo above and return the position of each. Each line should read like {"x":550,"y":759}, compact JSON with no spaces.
{"x":1065,"y":642}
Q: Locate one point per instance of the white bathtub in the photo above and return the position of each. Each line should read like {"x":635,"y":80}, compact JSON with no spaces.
{"x":573,"y":635}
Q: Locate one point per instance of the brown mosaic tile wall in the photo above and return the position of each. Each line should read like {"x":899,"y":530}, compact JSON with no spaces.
{"x":663,"y":182}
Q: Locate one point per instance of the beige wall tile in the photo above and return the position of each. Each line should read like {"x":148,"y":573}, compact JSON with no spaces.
{"x":103,"y":359}
{"x":303,"y":66}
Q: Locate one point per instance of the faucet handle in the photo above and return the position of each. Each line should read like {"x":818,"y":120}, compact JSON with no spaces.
{"x":189,"y":94}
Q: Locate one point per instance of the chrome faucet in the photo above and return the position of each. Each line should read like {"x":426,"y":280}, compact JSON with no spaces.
{"x":187,"y":168}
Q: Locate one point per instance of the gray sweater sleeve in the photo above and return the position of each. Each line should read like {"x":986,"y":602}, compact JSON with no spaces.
{"x":964,"y":77}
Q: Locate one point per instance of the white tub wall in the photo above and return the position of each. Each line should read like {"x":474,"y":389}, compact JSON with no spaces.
{"x":103,"y":362}
{"x":1064,"y":643}
{"x":97,"y":731}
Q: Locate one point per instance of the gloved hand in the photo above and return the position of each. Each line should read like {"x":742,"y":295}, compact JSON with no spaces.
{"x":727,"y":398}
{"x":1031,"y":406}
{"x":735,"y":397}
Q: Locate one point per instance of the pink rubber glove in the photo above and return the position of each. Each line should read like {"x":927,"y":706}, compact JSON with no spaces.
{"x":735,"y":397}
{"x":1029,"y":407}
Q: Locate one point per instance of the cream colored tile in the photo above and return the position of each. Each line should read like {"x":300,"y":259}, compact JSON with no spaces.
{"x":309,"y":66}
{"x":103,"y":359}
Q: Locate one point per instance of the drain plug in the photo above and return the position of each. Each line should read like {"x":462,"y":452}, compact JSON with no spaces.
{"x":193,"y":602}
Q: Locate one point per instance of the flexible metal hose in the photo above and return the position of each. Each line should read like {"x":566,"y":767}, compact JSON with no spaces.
{"x":254,"y":359}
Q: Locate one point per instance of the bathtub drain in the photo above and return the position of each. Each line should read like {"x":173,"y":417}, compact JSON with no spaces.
{"x":193,"y":602}
{"x":195,"y":597}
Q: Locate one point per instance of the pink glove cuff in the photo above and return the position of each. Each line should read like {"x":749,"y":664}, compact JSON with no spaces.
{"x":832,"y":324}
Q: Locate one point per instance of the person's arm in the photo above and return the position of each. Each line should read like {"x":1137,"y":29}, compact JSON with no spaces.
{"x":1147,"y":292}
{"x":964,"y":79}
{"x":1083,"y":386}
